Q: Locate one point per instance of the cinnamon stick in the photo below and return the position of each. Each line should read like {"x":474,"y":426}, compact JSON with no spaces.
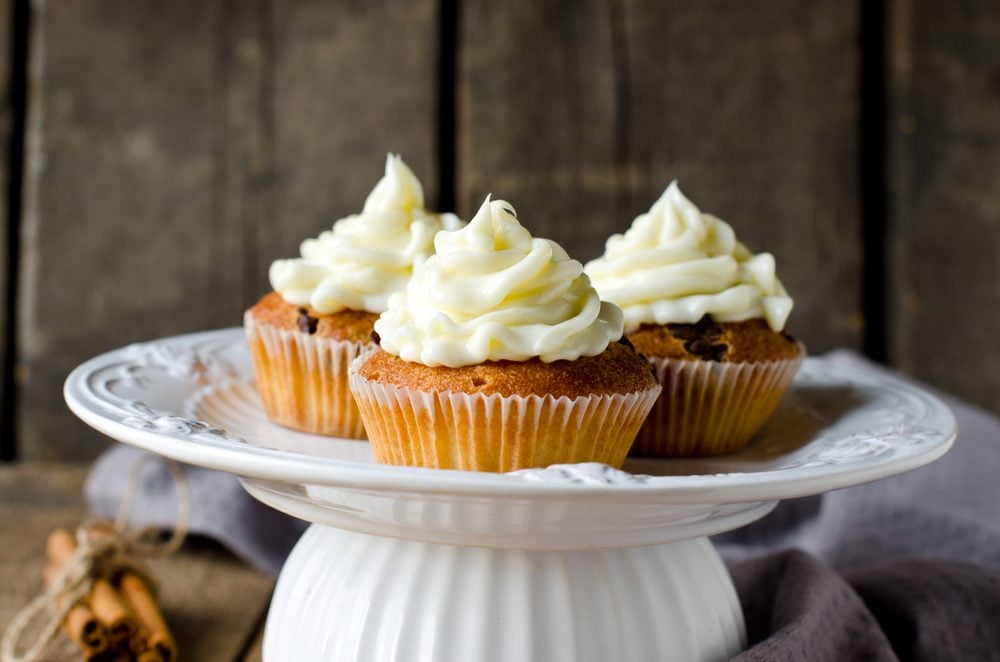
{"x":60,"y":546}
{"x":137,"y":644}
{"x":85,"y":630}
{"x":112,"y":655}
{"x":111,"y":610}
{"x":140,"y":599}
{"x":79,"y":624}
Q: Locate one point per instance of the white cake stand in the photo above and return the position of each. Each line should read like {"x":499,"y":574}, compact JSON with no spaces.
{"x":567,"y":564}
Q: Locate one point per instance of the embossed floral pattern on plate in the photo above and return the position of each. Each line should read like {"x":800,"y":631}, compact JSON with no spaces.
{"x":837,"y":426}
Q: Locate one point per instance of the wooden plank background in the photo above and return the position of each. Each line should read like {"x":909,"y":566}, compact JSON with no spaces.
{"x":944,"y":232}
{"x":7,"y":445}
{"x":202,"y":141}
{"x":175,"y":149}
{"x":586,"y":134}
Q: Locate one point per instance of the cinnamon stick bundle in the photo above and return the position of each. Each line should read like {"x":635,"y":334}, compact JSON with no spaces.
{"x":117,"y":621}
{"x":80,"y":623}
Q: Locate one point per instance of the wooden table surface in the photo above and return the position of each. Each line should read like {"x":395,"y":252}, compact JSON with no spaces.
{"x":214,"y":603}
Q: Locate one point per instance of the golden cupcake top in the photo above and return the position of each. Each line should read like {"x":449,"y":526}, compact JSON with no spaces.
{"x":350,"y":325}
{"x":749,"y":341}
{"x":366,"y":257}
{"x":492,"y":292}
{"x":618,"y":369}
{"x":677,"y":265}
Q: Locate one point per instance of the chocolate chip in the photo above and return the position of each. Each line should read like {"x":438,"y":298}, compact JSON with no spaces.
{"x":706,"y":350}
{"x":376,"y":338}
{"x":683,"y":331}
{"x":625,"y":341}
{"x":787,"y":336}
{"x":698,"y":347}
{"x":308,"y":324}
{"x":711,"y":331}
{"x":719,"y":351}
{"x":701,"y":338}
{"x":303,"y":311}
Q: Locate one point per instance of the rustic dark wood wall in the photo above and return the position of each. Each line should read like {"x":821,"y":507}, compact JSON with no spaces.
{"x":756,"y":114}
{"x":944,"y":173}
{"x":172,"y":150}
{"x":6,"y":129}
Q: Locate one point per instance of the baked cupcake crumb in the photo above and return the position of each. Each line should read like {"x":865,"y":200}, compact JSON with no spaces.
{"x":618,"y":369}
{"x":749,"y":341}
{"x":349,"y":325}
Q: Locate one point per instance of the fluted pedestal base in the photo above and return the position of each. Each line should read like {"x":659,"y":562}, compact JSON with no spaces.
{"x":351,"y":596}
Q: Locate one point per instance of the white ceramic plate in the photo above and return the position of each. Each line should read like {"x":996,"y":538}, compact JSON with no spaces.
{"x":192,"y":398}
{"x":835,"y":428}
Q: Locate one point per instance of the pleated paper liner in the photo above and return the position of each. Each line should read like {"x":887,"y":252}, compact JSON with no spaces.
{"x":711,"y":408}
{"x":302,"y":379}
{"x":473,"y":431}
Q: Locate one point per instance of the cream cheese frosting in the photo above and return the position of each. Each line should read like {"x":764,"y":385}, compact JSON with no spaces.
{"x":365,"y":257}
{"x":676,"y":265}
{"x":493,"y":292}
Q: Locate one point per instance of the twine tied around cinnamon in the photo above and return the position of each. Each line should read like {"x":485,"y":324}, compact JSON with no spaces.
{"x":102,"y":552}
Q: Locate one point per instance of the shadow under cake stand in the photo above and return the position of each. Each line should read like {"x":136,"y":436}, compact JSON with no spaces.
{"x":567,"y":564}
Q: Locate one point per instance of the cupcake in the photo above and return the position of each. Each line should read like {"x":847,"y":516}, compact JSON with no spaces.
{"x":710,"y":315}
{"x":320,"y":316}
{"x":500,"y":356}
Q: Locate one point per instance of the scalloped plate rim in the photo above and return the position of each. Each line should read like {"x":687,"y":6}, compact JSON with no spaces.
{"x":290,"y":467}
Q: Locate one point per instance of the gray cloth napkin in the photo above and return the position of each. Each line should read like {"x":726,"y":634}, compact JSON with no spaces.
{"x":949,"y":509}
{"x":906,"y":568}
{"x":220,"y":509}
{"x":903,"y":568}
{"x":797,"y":607}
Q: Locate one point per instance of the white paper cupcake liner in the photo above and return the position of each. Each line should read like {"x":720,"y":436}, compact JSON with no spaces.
{"x":711,"y":408}
{"x":302,"y":379}
{"x":473,"y":431}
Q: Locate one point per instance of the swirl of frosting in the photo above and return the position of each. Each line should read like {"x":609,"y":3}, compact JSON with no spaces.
{"x":492,"y":292}
{"x":676,"y":264}
{"x":365,"y":257}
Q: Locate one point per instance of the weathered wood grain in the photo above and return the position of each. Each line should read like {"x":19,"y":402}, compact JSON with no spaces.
{"x":185,"y":146}
{"x":6,"y":127}
{"x":944,"y":222}
{"x":118,"y":241}
{"x":352,"y":81}
{"x":537,"y":110}
{"x":581,"y":113}
{"x":175,"y":149}
{"x":212,"y":602}
{"x":242,"y":186}
{"x":756,"y":106}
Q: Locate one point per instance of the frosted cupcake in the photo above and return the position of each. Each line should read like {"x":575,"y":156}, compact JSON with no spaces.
{"x":320,"y":316}
{"x":500,"y":356}
{"x":710,"y":315}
